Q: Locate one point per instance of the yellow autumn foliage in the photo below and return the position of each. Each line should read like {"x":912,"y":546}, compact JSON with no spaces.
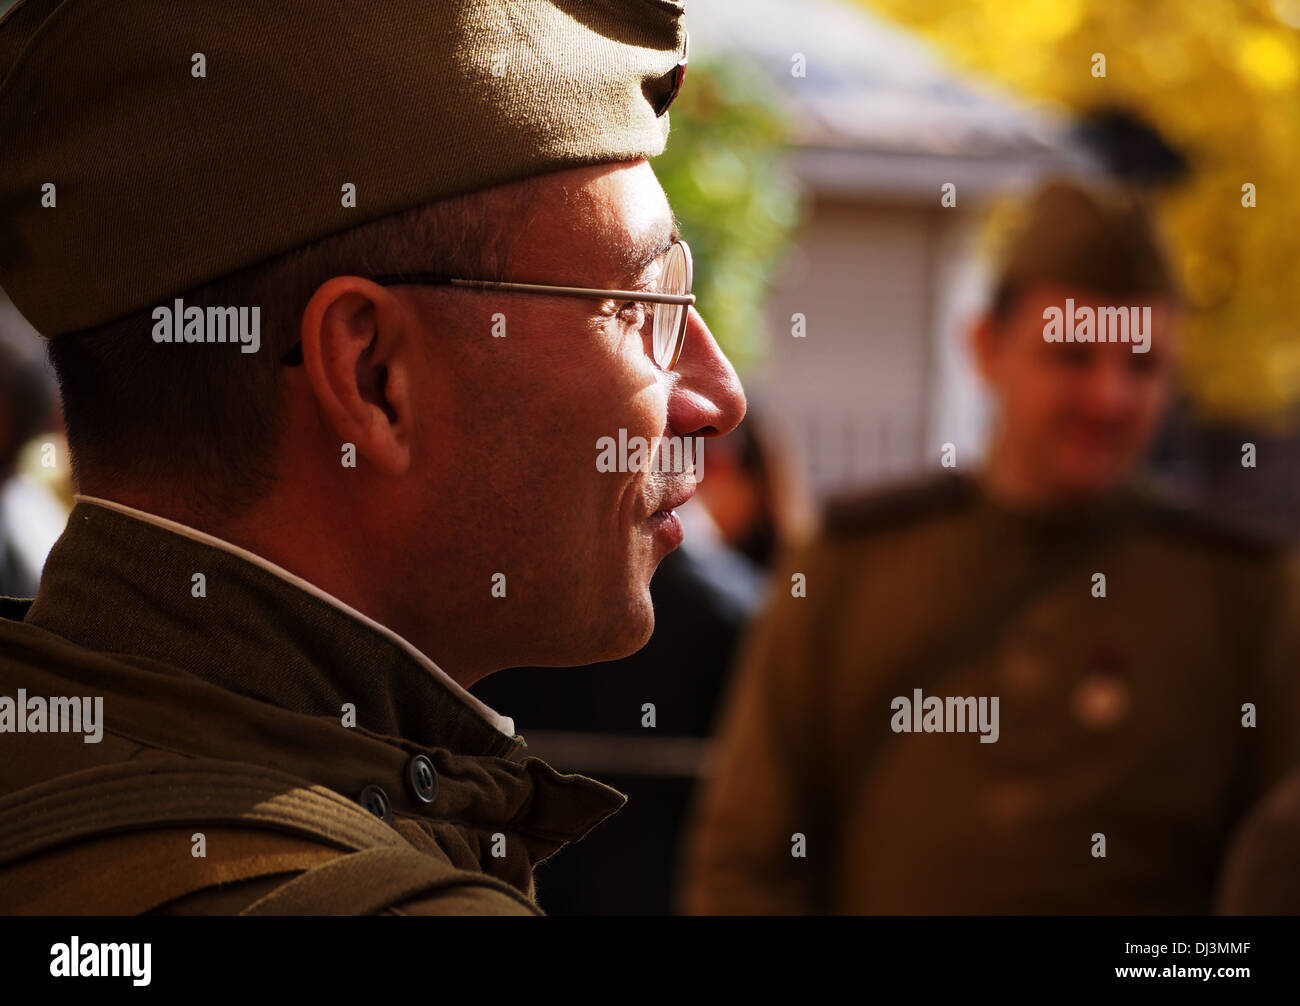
{"x":1220,"y":79}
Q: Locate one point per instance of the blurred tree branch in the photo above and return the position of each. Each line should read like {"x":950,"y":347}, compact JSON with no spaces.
{"x":725,"y":175}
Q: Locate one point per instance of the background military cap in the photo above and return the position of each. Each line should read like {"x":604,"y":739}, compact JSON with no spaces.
{"x":187,"y":140}
{"x":1097,"y":239}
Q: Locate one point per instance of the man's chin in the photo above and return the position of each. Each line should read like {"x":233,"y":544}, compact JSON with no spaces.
{"x":1081,"y":483}
{"x":631,"y":638}
{"x":618,"y":633}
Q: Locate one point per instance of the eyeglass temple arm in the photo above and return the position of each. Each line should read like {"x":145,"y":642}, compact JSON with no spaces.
{"x":293,"y":358}
{"x":562,"y":291}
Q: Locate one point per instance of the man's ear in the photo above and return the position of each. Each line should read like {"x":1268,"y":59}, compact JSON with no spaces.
{"x":356,"y":350}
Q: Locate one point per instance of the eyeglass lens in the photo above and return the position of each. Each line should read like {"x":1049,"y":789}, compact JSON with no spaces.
{"x":674,"y":278}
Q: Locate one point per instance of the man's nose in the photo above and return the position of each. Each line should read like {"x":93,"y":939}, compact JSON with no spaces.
{"x":1109,"y":388}
{"x":707,"y":400}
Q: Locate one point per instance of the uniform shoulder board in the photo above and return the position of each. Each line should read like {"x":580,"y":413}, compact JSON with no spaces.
{"x":897,"y":505}
{"x":1166,"y":513}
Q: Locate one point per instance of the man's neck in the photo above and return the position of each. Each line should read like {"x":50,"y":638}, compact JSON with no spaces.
{"x":1011,"y":482}
{"x":250,"y":612}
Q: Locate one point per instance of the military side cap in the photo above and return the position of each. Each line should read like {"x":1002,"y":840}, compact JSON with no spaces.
{"x":1091,"y":238}
{"x":148,"y":148}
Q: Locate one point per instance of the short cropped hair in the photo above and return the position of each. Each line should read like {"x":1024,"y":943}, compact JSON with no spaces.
{"x":200,"y":423}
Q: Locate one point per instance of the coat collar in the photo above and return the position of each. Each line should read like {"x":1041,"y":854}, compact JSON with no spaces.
{"x":278,"y":637}
{"x":259,"y":670}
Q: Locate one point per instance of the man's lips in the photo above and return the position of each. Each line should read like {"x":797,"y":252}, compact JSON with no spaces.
{"x":664,"y":523}
{"x":668,"y":526}
{"x":675,"y":499}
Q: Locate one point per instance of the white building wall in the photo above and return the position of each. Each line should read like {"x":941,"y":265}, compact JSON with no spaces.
{"x":885,"y":290}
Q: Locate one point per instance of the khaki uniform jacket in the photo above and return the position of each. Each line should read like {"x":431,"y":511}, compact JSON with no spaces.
{"x":1120,"y":716}
{"x":226,"y":780}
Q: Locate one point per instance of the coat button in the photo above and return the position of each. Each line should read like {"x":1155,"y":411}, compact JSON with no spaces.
{"x":375,"y":800}
{"x":422,"y":778}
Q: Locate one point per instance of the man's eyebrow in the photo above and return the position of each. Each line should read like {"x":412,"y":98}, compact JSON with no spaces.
{"x":645,"y":250}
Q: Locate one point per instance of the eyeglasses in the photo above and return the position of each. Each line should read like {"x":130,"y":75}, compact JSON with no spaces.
{"x":670,"y":306}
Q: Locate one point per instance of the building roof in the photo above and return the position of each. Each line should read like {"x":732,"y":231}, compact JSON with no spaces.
{"x":878,"y":107}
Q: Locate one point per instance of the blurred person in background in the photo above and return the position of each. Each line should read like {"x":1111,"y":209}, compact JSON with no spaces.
{"x":1032,"y":687}
{"x":31,"y":516}
{"x":749,"y":505}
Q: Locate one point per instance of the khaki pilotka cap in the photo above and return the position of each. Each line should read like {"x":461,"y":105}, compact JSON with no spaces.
{"x":166,"y":179}
{"x":1090,"y":237}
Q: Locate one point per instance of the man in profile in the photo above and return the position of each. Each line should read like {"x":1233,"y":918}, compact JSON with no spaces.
{"x":335,"y":465}
{"x":1033,"y":686}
